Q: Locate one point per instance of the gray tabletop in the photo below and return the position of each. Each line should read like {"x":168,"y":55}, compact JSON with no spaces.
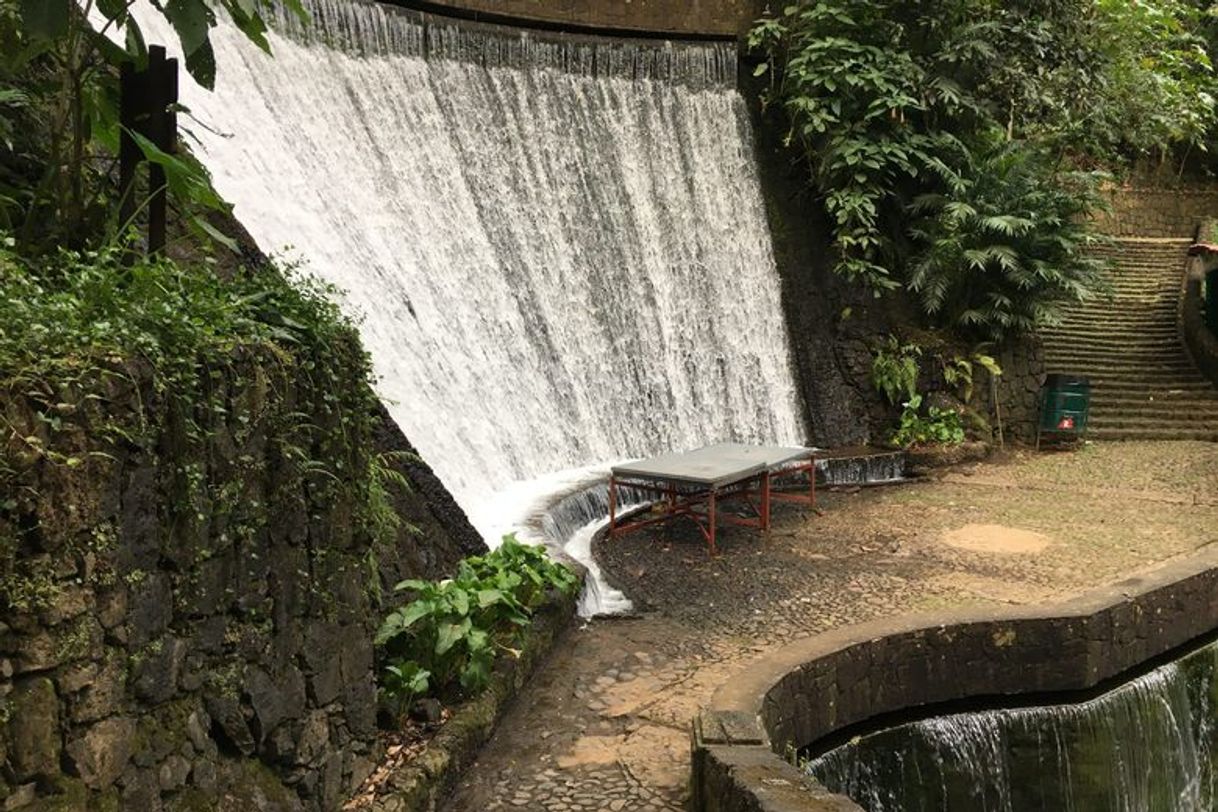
{"x":714,"y":465}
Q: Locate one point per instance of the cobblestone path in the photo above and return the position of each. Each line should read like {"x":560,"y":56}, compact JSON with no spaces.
{"x":604,"y":725}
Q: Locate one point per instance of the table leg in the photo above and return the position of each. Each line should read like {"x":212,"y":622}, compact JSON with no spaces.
{"x":710,"y":515}
{"x":612,"y":505}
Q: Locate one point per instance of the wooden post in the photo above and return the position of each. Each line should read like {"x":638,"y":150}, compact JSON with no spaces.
{"x":146,"y":107}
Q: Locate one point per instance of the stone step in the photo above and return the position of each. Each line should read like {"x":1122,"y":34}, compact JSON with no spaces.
{"x":1162,"y":422}
{"x":1109,"y":379}
{"x":1113,"y":370}
{"x":1162,"y":412}
{"x":1164,"y":351}
{"x":1150,"y":356}
{"x":1190,"y":391}
{"x":1113,"y":333}
{"x":1203,"y":435}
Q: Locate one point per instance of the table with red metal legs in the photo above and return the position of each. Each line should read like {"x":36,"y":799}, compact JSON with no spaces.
{"x":696,"y":483}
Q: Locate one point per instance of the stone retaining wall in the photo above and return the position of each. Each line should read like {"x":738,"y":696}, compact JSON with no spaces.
{"x":813,"y":689}
{"x":204,"y":634}
{"x":1157,"y":212}
{"x":696,"y":18}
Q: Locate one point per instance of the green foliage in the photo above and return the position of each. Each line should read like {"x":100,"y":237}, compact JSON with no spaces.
{"x":1003,"y":245}
{"x":873,"y":93}
{"x":59,"y":121}
{"x":894,"y":370}
{"x":1158,"y":89}
{"x":964,"y":113}
{"x":450,"y":631}
{"x":944,"y":426}
{"x":195,"y":353}
{"x":958,"y":372}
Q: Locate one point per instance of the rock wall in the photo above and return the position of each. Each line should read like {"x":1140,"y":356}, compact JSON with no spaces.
{"x":831,"y":322}
{"x":1023,"y":373}
{"x":186,"y":617}
{"x":1148,"y":211}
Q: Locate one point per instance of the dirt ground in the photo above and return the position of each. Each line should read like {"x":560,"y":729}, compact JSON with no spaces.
{"x":605,"y":723}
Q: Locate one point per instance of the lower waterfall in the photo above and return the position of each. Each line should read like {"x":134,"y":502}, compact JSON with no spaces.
{"x":557,"y":244}
{"x":1146,"y":746}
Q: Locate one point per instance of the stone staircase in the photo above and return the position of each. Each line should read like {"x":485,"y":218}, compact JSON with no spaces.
{"x":1143,"y":383}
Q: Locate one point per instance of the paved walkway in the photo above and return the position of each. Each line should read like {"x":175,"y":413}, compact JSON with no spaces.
{"x":605,"y":723}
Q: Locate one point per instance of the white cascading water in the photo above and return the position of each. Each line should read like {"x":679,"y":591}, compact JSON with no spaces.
{"x":557,"y":245}
{"x":1147,"y":745}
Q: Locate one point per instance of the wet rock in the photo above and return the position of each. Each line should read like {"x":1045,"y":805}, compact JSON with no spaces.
{"x":33,"y":730}
{"x":324,"y":669}
{"x":197,"y":726}
{"x":141,"y":790}
{"x":103,"y":696}
{"x":101,"y":755}
{"x":173,"y":773}
{"x":428,"y":710}
{"x":275,"y":700}
{"x":156,"y":674}
{"x":314,"y":738}
{"x":150,"y":610}
{"x":226,"y":714}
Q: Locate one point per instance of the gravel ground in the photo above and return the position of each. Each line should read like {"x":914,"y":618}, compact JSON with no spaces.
{"x":605,"y":724}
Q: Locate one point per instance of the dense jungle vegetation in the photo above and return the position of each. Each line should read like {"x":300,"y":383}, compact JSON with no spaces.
{"x":958,"y":145}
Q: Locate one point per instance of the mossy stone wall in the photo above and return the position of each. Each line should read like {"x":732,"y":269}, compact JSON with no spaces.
{"x":190,"y":599}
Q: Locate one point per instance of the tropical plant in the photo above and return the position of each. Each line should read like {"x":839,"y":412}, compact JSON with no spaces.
{"x":939,"y":425}
{"x":895,"y":368}
{"x":918,"y":106}
{"x":958,"y":371}
{"x":451,"y":631}
{"x":1005,"y":243}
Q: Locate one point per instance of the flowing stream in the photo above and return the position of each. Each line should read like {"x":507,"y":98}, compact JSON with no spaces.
{"x":1147,"y":746}
{"x":557,"y":245}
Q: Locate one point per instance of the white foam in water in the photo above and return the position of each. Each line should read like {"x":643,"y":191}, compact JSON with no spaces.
{"x":559,"y":248}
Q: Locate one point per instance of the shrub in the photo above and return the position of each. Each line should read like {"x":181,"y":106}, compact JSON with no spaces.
{"x":938,"y":426}
{"x":450,"y":632}
{"x":894,"y":370}
{"x":1005,"y":246}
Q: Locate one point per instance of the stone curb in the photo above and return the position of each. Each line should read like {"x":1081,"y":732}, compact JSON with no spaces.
{"x":816,"y":687}
{"x":422,"y":784}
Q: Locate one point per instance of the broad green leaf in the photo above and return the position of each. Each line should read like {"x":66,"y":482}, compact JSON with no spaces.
{"x":192,"y":20}
{"x":47,"y":19}
{"x":449,"y":634}
{"x":201,"y":64}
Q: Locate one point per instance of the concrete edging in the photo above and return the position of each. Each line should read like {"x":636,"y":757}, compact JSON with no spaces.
{"x":823,"y":684}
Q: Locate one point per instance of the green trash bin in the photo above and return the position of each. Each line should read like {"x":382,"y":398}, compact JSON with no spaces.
{"x":1065,"y":402}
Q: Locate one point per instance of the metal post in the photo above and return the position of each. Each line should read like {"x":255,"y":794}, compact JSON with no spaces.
{"x":710,"y":512}
{"x":765,"y":502}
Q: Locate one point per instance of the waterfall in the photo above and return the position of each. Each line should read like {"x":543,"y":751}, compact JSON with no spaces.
{"x":557,"y":245}
{"x":1147,"y":746}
